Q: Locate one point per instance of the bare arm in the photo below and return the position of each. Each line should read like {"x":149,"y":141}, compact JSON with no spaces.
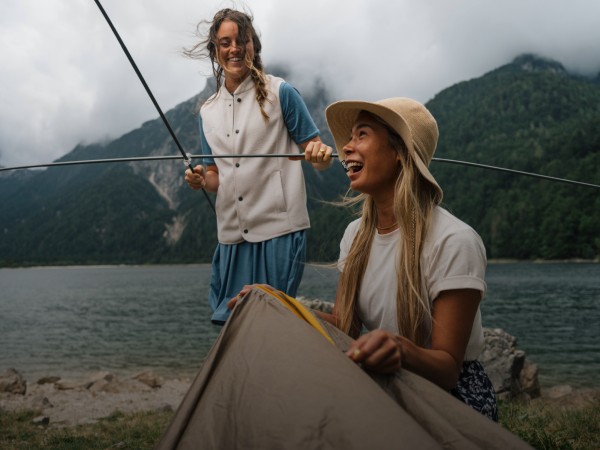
{"x":453,"y":315}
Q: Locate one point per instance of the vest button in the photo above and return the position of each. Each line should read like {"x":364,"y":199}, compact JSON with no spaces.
{"x":240,"y":198}
{"x":239,"y":100}
{"x":245,"y":231}
{"x":237,"y":164}
{"x":237,"y":131}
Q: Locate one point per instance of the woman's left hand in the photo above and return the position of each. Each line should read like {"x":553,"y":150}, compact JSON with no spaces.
{"x":377,"y":350}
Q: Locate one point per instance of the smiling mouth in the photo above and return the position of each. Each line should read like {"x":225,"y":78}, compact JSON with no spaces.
{"x":352,"y":166}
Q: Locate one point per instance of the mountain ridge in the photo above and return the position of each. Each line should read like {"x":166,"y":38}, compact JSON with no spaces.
{"x":529,"y":115}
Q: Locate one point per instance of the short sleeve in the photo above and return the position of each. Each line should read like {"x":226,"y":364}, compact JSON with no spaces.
{"x":458,"y":261}
{"x":297,"y":118}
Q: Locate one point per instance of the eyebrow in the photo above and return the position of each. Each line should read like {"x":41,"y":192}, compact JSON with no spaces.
{"x":358,"y":126}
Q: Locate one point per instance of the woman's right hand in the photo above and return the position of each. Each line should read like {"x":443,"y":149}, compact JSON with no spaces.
{"x":232,"y":302}
{"x":377,"y":350}
{"x":196,"y":180}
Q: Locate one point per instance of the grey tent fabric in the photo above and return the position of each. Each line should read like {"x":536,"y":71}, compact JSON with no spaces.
{"x":273,"y":381}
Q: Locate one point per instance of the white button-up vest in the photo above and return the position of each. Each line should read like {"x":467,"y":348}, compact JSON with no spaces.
{"x":258,"y":198}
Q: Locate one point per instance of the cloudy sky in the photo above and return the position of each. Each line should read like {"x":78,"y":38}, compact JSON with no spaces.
{"x":64,"y":79}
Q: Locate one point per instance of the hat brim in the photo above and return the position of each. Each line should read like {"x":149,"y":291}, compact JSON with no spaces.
{"x":341,"y":117}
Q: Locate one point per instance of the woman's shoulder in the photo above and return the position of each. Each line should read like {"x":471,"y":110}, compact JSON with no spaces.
{"x":354,"y":225}
{"x":444,"y":218}
{"x":446,"y":224}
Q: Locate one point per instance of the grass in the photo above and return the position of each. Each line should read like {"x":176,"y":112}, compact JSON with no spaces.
{"x":546,"y":426}
{"x":541,"y":425}
{"x":118,"y":431}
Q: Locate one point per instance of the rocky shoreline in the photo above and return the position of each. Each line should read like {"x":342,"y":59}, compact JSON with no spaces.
{"x":63,"y":402}
{"x":66,"y":403}
{"x":70,"y":402}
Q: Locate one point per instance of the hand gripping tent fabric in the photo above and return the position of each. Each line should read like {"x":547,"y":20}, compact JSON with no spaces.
{"x":277,"y":378}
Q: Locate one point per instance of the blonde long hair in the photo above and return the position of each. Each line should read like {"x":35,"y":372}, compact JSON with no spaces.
{"x":208,"y":48}
{"x":414,"y":201}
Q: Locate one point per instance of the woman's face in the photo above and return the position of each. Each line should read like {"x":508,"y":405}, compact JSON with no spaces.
{"x":231,"y":53}
{"x":373,"y":164}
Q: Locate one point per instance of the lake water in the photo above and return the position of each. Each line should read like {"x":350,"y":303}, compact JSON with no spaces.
{"x":68,"y":321}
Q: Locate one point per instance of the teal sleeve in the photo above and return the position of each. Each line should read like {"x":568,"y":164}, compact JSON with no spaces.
{"x":296,"y":116}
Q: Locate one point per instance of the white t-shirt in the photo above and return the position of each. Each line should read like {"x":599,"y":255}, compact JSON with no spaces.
{"x":453,"y":257}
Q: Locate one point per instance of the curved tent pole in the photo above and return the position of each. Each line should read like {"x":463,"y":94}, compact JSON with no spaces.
{"x":296,"y":155}
{"x":186,"y":156}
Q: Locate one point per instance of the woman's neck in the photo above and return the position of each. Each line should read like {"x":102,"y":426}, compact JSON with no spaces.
{"x":386,"y":219}
{"x":231,"y":84}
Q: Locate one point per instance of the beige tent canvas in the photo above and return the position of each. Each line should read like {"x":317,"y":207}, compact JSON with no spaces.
{"x":277,"y":378}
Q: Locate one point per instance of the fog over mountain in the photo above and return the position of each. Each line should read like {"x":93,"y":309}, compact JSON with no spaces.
{"x":65,"y":80}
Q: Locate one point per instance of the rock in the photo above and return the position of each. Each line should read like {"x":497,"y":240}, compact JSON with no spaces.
{"x":40,"y":402}
{"x":319,"y":305}
{"x":149,"y":378}
{"x":48,"y":380}
{"x":67,"y":385}
{"x":12,"y":382}
{"x":559,"y":391}
{"x":528,"y":378}
{"x":41,"y":420}
{"x":511,"y":376}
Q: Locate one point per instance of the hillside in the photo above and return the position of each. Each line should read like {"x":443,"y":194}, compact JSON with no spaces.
{"x":528,"y":115}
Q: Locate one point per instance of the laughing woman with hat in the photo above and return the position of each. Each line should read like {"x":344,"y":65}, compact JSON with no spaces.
{"x":412,"y":274}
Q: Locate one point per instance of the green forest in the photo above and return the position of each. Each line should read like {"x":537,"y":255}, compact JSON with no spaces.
{"x":529,"y":115}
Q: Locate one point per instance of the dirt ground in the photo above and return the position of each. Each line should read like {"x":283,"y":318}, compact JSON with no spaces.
{"x":71,"y":402}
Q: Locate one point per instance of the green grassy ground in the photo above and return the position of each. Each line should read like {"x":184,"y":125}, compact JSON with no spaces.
{"x":542,"y":425}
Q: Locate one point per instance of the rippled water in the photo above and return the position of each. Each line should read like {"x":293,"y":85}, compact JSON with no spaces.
{"x":67,"y":321}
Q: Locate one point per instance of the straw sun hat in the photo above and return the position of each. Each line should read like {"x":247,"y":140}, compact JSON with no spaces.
{"x":409,"y":118}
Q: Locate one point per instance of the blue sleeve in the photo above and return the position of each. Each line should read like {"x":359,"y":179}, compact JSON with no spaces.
{"x":204,"y":147}
{"x":297,"y":119}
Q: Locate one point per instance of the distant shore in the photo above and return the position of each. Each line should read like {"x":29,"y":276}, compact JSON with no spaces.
{"x":330,"y":264}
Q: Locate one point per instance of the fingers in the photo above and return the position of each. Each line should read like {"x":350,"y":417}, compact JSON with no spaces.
{"x":318,"y":152}
{"x":377,"y":350}
{"x":231,"y":303}
{"x":196,"y":180}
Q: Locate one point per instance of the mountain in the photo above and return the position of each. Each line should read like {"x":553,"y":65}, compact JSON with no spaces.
{"x":529,"y":115}
{"x":138,"y":212}
{"x":532,"y":116}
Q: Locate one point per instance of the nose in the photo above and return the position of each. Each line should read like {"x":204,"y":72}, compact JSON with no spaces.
{"x":236,"y":46}
{"x":349,"y":147}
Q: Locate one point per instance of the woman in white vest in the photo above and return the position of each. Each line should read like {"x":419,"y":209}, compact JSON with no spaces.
{"x":261,"y":202}
{"x":412,"y":274}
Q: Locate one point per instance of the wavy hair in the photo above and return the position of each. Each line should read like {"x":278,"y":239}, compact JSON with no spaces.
{"x":414,"y":201}
{"x":207,"y":48}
